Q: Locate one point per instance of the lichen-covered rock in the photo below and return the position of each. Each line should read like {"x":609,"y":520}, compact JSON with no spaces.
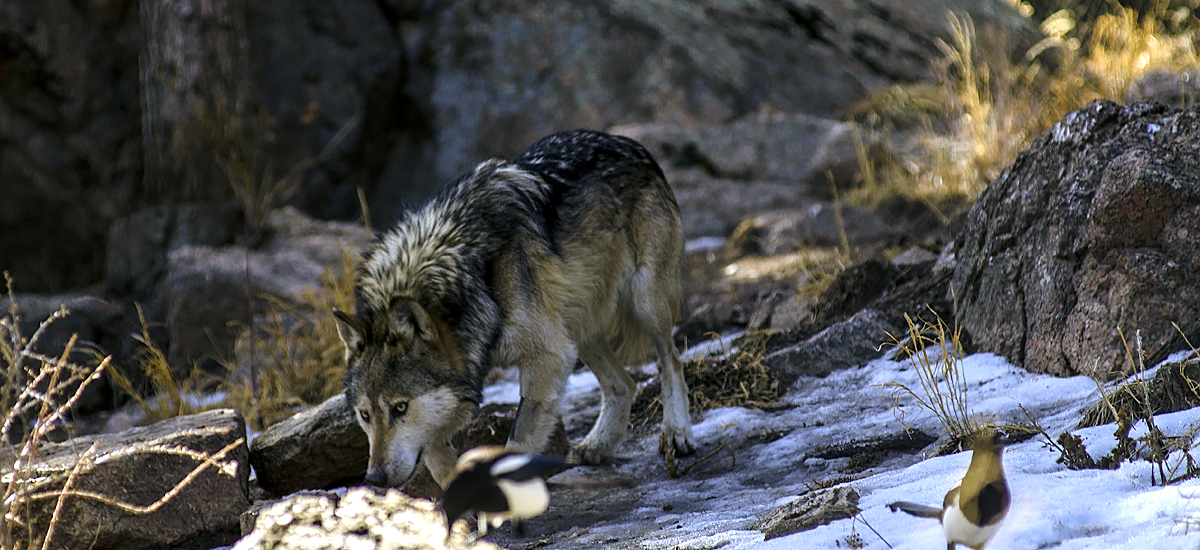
{"x":364,"y":518}
{"x":1090,"y":232}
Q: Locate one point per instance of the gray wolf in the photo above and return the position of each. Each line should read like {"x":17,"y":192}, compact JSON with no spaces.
{"x":972,"y":512}
{"x":569,"y":251}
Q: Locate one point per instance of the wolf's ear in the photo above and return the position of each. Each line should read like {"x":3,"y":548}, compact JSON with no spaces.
{"x":351,"y":329}
{"x":410,"y":321}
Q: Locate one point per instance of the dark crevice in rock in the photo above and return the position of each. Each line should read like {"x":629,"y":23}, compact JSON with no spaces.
{"x":810,"y":18}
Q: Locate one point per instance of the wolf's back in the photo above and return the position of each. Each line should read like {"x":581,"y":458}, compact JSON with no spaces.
{"x":587,"y":171}
{"x":561,"y":192}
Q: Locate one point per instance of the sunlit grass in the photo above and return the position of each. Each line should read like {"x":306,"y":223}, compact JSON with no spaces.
{"x":962,"y":131}
{"x":935,"y":352}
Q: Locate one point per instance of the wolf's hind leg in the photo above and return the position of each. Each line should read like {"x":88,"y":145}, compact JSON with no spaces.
{"x":654,"y":311}
{"x":617,"y":388}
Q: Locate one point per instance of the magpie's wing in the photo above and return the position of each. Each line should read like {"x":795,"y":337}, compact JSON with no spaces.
{"x":524,"y":466}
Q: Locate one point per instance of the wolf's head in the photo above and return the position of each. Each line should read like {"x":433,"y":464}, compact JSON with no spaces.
{"x":407,"y":385}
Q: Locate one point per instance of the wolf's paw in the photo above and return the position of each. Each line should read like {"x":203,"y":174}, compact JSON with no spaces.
{"x":680,"y":441}
{"x":591,"y":453}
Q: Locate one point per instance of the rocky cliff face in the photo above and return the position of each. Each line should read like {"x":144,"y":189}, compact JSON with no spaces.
{"x":424,"y":89}
{"x":503,"y":73}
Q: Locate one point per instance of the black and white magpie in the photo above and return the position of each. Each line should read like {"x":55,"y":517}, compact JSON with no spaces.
{"x":972,"y":512}
{"x":498,"y":485}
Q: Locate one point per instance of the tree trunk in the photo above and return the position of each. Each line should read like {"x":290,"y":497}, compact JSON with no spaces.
{"x":196,"y":88}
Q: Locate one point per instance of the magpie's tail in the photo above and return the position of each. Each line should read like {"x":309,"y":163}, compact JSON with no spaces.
{"x":919,"y":510}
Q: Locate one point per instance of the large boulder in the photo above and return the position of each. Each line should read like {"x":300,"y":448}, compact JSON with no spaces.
{"x":208,"y":292}
{"x":71,"y":116}
{"x":1091,"y":232}
{"x":723,"y":173}
{"x":803,"y":150}
{"x":137,"y":468}
{"x":423,"y":90}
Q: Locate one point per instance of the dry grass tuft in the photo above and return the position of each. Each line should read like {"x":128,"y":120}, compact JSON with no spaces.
{"x":239,"y":142}
{"x":958,"y":134}
{"x":1170,"y":457}
{"x":1175,"y":387}
{"x":167,"y":396}
{"x":733,"y":378}
{"x":935,"y":352}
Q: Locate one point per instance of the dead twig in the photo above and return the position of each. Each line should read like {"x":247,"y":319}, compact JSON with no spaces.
{"x":673,"y":465}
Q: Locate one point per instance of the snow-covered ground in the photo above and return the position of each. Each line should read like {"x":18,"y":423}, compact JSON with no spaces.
{"x":1053,"y":507}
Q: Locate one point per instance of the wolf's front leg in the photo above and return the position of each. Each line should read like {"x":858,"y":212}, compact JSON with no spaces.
{"x":542,"y":384}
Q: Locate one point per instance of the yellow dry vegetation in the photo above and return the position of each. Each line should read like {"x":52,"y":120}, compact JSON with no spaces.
{"x":984,"y":108}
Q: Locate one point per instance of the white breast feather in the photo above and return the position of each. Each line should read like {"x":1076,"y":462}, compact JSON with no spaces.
{"x":959,"y":529}
{"x":526,"y":499}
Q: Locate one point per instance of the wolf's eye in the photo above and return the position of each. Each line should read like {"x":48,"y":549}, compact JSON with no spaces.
{"x":365,"y":416}
{"x":399,"y":408}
